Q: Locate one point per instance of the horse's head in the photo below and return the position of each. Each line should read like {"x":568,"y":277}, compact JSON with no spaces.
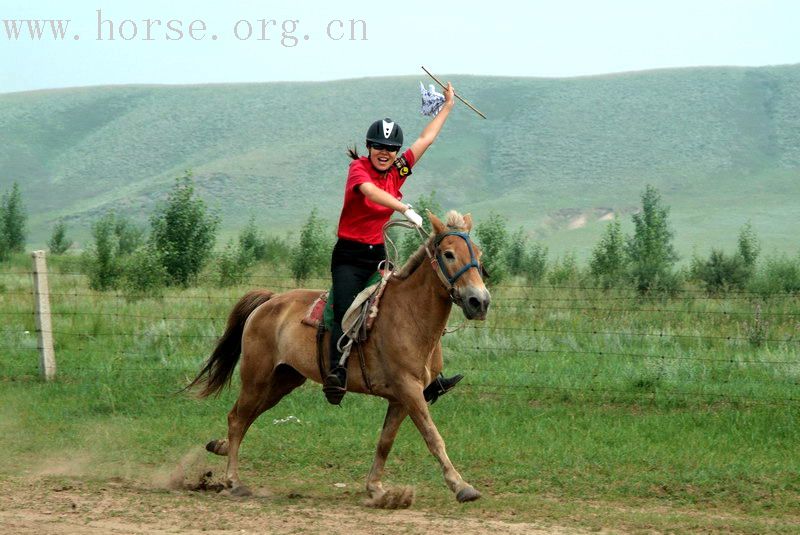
{"x":457,"y":260}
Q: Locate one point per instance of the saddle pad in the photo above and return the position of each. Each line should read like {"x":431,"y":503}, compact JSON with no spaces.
{"x":316,"y":311}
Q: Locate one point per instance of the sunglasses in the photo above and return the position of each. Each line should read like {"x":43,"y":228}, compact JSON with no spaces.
{"x":379,"y":146}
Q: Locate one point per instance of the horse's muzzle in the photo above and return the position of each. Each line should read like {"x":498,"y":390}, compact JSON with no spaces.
{"x":475,"y":302}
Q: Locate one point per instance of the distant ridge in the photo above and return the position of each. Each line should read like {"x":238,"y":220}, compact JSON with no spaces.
{"x":556,"y":155}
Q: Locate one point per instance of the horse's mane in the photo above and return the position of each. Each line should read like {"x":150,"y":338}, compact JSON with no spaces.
{"x":453,"y":221}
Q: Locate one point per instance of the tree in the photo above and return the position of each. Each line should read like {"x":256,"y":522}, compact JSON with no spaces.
{"x":102,"y":259}
{"x":411,"y":239}
{"x":608,"y":264}
{"x":183,"y":232}
{"x":252,"y":242}
{"x":535,"y":266}
{"x":650,"y":249}
{"x":720,"y":272}
{"x":13,"y":220}
{"x":130,"y":236}
{"x":312,"y":255}
{"x":493,"y":235}
{"x":58,"y":242}
{"x":749,"y":248}
{"x":515,"y":256}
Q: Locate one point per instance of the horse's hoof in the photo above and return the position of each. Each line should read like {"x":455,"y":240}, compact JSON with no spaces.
{"x":467,"y":494}
{"x":241,"y":491}
{"x":218,"y":447}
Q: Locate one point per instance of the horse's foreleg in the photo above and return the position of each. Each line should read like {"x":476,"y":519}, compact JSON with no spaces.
{"x":418,"y":410}
{"x":395,"y":415}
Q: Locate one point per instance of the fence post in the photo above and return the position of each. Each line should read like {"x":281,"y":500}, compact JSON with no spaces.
{"x":41,"y":291}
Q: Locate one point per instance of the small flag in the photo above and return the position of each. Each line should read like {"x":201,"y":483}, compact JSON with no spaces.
{"x":432,"y":100}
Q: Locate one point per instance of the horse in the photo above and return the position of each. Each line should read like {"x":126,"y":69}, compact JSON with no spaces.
{"x":402,"y":354}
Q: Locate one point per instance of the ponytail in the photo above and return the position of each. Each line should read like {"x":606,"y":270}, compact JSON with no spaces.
{"x":353,"y":153}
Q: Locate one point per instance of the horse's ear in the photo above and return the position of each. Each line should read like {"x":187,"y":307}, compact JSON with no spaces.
{"x":438,"y":226}
{"x":468,"y":222}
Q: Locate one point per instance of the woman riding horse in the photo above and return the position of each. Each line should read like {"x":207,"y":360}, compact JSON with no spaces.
{"x":372,"y":195}
{"x":402,"y":354}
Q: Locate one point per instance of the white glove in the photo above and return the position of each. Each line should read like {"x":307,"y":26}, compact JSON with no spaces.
{"x":412,"y":216}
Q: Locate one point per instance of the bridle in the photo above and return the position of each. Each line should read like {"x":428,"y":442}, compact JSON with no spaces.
{"x":435,"y":256}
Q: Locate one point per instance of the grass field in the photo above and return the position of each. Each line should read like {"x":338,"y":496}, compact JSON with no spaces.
{"x":580,"y":408}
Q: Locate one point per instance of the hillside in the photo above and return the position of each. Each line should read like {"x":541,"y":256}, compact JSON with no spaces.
{"x":556,"y":155}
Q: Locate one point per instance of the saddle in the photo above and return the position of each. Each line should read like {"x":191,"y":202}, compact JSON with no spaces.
{"x":362,"y":311}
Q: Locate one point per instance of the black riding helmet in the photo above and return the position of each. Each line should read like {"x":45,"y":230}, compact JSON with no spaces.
{"x":385,"y":132}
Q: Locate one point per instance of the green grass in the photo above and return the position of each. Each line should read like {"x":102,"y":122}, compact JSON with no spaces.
{"x":580,"y":407}
{"x":720,"y":143}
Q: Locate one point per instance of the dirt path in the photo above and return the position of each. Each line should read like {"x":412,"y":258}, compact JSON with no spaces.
{"x":62,"y":506}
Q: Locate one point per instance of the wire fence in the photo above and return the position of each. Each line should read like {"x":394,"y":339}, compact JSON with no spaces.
{"x":74,"y":308}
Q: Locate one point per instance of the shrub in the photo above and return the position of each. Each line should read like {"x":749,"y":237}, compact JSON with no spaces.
{"x":312,"y":255}
{"x":721,"y":272}
{"x":252,"y":242}
{"x":515,"y":254}
{"x":130,"y":236}
{"x":278,"y":250}
{"x":143,"y":274}
{"x":650,"y":251}
{"x":13,"y":216}
{"x":234,"y":264}
{"x":564,"y":270}
{"x":101,"y":261}
{"x":608,"y":265}
{"x":779,"y":275}
{"x":493,"y":237}
{"x":411,"y":240}
{"x":535,"y":266}
{"x":749,"y":248}
{"x":58,"y":243}
{"x":183,"y":232}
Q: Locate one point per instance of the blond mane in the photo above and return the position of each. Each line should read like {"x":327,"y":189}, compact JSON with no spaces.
{"x":453,"y":221}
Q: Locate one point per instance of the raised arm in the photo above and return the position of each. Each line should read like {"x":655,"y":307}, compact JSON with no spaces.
{"x":432,"y":130}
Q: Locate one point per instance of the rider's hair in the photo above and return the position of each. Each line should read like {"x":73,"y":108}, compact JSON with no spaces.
{"x":353,"y":153}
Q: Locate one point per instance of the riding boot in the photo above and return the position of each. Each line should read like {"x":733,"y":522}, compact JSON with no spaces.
{"x":440,"y":386}
{"x":335,"y":384}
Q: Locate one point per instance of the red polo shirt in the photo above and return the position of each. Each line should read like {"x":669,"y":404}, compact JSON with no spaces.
{"x":362,"y":220}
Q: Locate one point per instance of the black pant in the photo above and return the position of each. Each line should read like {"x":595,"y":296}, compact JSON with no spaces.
{"x":352,"y":265}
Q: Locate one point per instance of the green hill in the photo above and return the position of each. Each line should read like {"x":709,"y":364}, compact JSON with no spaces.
{"x":555,"y":155}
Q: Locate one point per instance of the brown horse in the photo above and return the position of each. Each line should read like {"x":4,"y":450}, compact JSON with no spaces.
{"x":402,"y":354}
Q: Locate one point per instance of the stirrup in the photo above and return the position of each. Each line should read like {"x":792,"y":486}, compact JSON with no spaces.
{"x":335,"y":387}
{"x":440,"y":386}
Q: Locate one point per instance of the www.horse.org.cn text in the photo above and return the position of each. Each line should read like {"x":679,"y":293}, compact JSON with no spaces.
{"x":285,"y":32}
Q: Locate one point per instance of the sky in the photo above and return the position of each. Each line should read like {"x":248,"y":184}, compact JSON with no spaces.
{"x":305,"y":40}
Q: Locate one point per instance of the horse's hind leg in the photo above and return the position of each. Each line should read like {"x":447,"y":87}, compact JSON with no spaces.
{"x":395,"y":415}
{"x":254,"y":399}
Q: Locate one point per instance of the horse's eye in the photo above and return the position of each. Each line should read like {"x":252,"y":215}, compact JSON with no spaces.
{"x":449,"y":255}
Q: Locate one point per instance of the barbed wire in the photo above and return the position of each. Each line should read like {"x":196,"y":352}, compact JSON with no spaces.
{"x":612,"y":333}
{"x":654,"y":294}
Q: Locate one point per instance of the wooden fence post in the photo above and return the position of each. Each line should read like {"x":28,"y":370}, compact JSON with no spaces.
{"x":41,"y":291}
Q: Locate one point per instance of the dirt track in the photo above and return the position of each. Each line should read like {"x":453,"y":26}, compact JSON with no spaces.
{"x":64,"y":506}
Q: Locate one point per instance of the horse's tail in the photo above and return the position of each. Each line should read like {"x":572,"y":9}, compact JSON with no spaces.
{"x":217,"y":372}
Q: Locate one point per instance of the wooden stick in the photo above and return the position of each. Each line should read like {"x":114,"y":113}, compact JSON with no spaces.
{"x":458,"y":97}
